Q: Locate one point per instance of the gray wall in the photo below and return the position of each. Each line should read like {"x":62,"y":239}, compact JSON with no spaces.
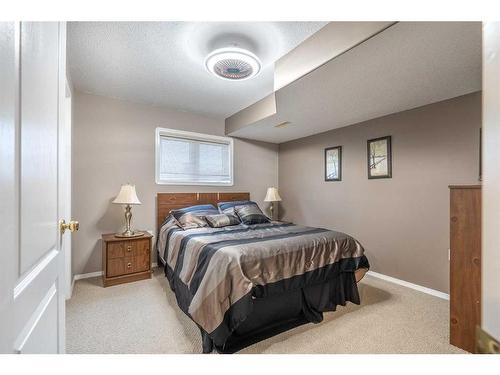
{"x":403,"y":222}
{"x":114,"y":143}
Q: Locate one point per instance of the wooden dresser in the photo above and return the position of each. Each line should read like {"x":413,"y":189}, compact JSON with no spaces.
{"x":125,"y":259}
{"x":465,"y":265}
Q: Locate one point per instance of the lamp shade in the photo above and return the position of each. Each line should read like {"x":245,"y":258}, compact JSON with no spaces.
{"x":127,"y":195}
{"x":272,"y":195}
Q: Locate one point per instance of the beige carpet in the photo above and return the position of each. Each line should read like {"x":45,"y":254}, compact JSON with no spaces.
{"x":143,"y":317}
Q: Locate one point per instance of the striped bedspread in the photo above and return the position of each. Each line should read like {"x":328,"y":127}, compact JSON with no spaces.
{"x":213,"y":269}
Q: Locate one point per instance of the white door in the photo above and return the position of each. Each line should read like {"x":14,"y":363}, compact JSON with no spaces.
{"x":65,"y":130}
{"x":491,"y":180}
{"x":32,"y":80}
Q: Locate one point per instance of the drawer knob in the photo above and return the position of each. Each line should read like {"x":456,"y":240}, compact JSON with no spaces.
{"x":129,"y":265}
{"x":129,"y":248}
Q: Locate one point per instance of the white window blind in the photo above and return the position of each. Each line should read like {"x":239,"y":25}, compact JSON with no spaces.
{"x":193,"y":159}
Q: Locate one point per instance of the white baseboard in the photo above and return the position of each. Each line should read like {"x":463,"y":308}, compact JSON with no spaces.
{"x":82,"y":276}
{"x":432,"y":292}
{"x":377,"y":275}
{"x":89,"y":275}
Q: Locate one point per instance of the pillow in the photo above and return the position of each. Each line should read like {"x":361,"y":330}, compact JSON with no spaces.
{"x":228,"y":207}
{"x":169,"y":221}
{"x":251,"y":214}
{"x":194,"y":216}
{"x":222,"y":220}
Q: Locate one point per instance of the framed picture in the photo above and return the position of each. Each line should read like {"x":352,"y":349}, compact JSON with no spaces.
{"x":333,"y":163}
{"x":379,"y":157}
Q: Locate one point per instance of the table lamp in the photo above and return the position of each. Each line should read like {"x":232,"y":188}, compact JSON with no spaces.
{"x":128,"y":196}
{"x":272,"y":196}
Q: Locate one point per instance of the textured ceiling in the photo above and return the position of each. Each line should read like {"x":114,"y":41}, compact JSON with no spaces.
{"x":408,"y":65}
{"x":162,"y":63}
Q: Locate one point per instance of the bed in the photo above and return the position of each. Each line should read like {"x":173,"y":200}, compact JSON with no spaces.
{"x":244,"y":283}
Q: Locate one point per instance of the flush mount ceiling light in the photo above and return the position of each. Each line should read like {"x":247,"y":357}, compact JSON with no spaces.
{"x":232,"y":63}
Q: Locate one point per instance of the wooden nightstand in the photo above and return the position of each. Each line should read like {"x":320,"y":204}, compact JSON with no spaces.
{"x":125,"y":259}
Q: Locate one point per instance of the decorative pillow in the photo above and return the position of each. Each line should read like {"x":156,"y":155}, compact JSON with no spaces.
{"x":251,"y":214}
{"x":194,"y":216}
{"x":222,"y":220}
{"x":169,"y":221}
{"x":228,"y":207}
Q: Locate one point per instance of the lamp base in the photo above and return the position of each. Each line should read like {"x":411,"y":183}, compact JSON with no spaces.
{"x":129,"y":234}
{"x":271,"y":210}
{"x":128,"y":231}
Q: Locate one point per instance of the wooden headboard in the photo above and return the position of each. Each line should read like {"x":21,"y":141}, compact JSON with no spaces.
{"x":165,"y":202}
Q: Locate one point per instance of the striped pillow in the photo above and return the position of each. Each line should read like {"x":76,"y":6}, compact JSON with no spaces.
{"x":222,"y":220}
{"x":251,"y":214}
{"x":194,"y":216}
{"x":228,"y":207}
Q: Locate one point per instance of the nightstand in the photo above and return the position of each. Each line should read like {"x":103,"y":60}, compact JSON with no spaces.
{"x":125,"y":259}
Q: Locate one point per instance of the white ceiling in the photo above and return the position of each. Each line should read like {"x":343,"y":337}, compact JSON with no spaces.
{"x":162,"y":63}
{"x":408,"y":65}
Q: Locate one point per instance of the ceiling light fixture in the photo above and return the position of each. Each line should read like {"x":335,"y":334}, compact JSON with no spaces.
{"x":232,"y":63}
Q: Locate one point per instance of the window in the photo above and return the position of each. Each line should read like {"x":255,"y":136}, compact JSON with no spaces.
{"x":186,"y":158}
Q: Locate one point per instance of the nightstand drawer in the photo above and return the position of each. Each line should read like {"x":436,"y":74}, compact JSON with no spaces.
{"x":142,"y":262}
{"x":128,"y":249}
{"x":121,"y":266}
{"x":116,"y":250}
{"x":142,"y":247}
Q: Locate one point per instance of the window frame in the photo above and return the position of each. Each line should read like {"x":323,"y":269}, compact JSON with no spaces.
{"x":201,"y":137}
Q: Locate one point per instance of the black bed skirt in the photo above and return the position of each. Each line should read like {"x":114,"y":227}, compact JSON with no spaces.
{"x":280,"y":306}
{"x":278,"y":313}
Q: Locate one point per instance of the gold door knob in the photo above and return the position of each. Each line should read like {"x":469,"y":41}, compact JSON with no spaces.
{"x":72,"y":226}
